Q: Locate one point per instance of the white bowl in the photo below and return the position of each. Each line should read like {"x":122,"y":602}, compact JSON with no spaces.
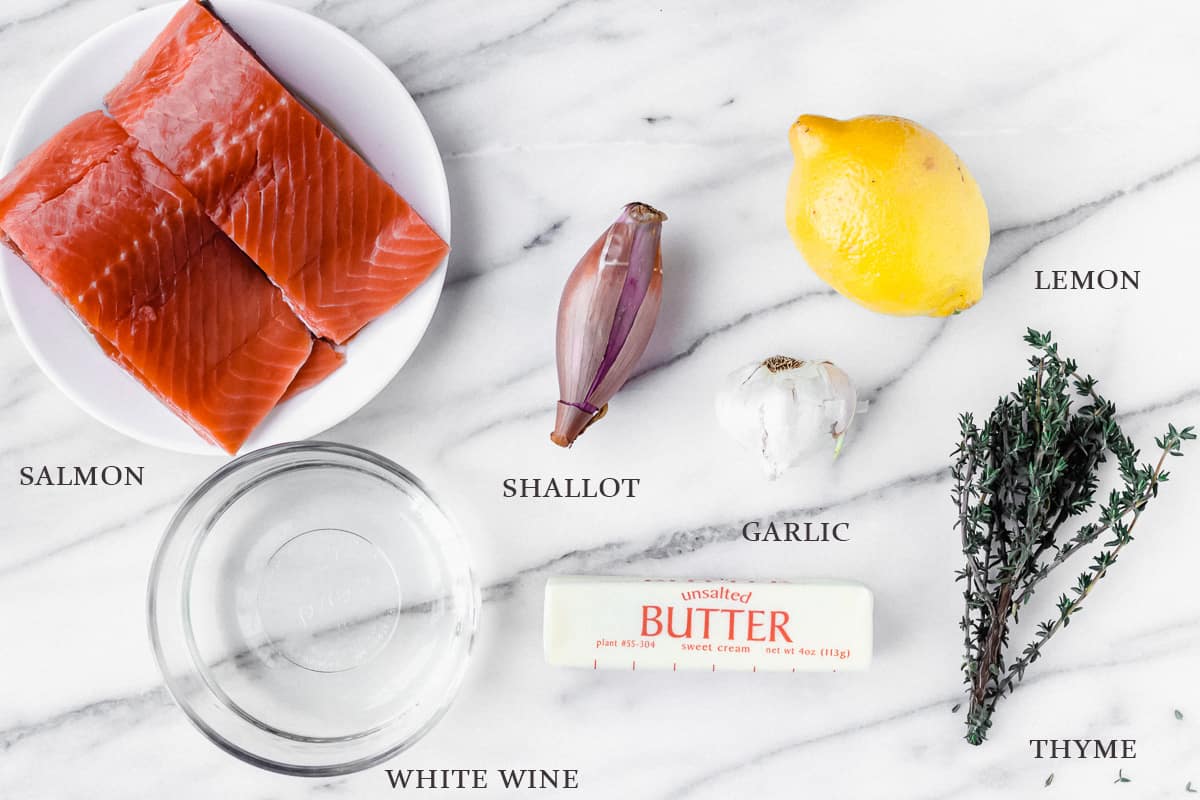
{"x":358,"y":95}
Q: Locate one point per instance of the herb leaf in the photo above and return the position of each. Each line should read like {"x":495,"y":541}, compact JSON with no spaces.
{"x":1021,"y":479}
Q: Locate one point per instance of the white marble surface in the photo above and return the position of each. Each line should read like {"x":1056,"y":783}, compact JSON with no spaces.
{"x":1081,"y":123}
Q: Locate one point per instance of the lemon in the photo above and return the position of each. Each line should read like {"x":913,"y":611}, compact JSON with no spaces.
{"x":886,"y":213}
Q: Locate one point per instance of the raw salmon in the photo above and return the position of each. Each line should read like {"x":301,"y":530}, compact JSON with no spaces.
{"x":168,"y":295}
{"x":342,"y":245}
{"x":322,"y":362}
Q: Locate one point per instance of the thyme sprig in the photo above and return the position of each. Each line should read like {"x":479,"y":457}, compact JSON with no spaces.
{"x":1018,"y":479}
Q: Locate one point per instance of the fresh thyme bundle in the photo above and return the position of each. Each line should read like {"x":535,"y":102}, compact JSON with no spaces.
{"x":1028,"y":471}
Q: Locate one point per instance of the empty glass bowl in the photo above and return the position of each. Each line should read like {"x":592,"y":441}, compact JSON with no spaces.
{"x":312,"y":608}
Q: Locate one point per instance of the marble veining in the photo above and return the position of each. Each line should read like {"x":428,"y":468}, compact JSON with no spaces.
{"x":1080,"y":123}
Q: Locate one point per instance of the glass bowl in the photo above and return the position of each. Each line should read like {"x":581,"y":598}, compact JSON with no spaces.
{"x":312,"y":608}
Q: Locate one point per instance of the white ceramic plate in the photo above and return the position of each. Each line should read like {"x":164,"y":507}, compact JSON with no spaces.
{"x":357,"y":94}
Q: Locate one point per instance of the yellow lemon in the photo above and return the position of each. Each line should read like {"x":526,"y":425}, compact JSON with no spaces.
{"x":886,"y":213}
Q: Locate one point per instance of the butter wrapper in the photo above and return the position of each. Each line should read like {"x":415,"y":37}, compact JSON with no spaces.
{"x":654,"y":623}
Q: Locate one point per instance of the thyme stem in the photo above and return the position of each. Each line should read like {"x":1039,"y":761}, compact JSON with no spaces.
{"x":1018,"y":668}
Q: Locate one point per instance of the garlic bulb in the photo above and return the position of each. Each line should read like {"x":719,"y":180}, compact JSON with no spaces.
{"x":785,"y":409}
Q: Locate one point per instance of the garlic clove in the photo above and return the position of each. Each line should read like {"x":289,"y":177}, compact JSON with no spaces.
{"x":842,"y":404}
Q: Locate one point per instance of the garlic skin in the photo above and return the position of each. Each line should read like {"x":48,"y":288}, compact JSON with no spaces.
{"x":785,"y":409}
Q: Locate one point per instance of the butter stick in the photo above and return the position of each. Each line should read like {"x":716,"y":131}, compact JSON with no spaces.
{"x":712,"y":625}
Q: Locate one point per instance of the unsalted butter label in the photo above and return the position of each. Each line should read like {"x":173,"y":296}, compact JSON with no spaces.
{"x":632,"y":623}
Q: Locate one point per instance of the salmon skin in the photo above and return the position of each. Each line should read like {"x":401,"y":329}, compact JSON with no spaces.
{"x":342,"y":245}
{"x":164,"y":291}
{"x":324,"y":360}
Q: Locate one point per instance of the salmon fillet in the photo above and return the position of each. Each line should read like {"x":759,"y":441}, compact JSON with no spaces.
{"x":324,"y":360}
{"x":167,"y":294}
{"x":342,"y":245}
